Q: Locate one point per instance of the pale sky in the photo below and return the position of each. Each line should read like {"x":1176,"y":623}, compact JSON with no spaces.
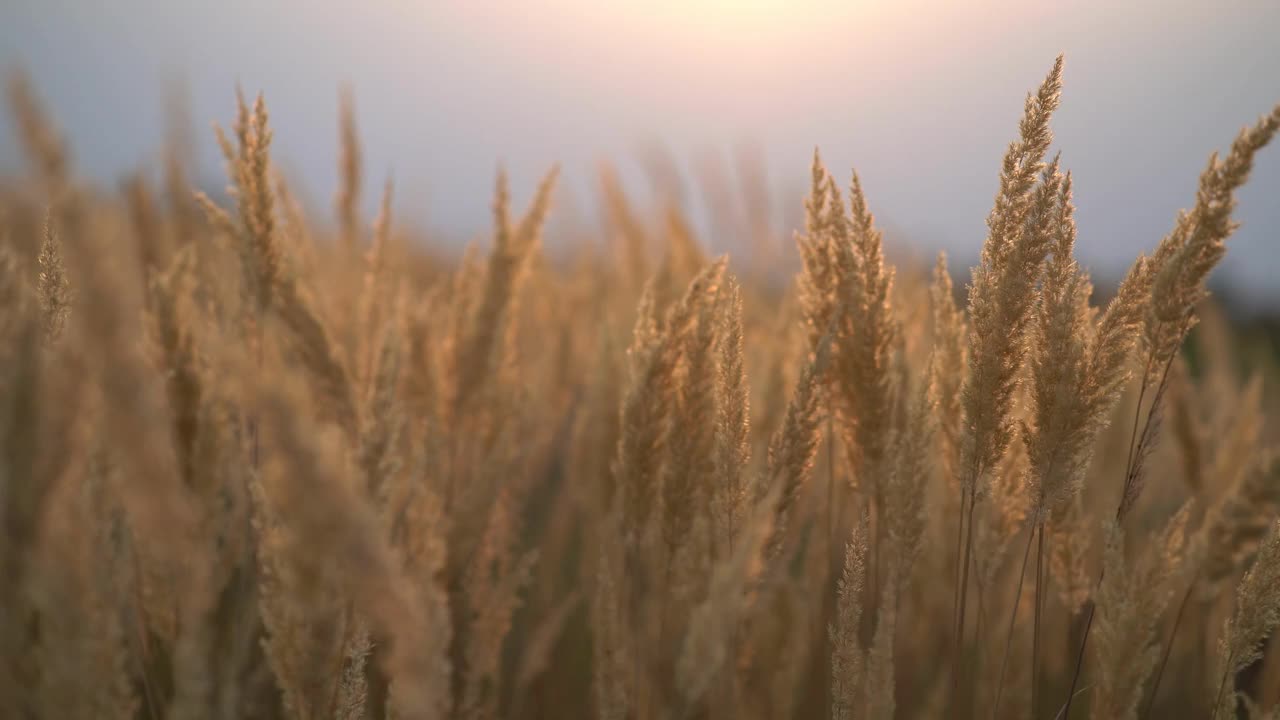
{"x":921,"y":96}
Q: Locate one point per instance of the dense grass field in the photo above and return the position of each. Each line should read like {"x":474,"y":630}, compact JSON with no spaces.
{"x":259,"y":464}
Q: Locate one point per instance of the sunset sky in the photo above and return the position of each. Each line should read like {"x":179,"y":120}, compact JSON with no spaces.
{"x":921,"y":96}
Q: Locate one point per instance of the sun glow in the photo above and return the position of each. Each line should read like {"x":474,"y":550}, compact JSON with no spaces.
{"x":733,"y":10}
{"x":721,"y":22}
{"x":730,"y":16}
